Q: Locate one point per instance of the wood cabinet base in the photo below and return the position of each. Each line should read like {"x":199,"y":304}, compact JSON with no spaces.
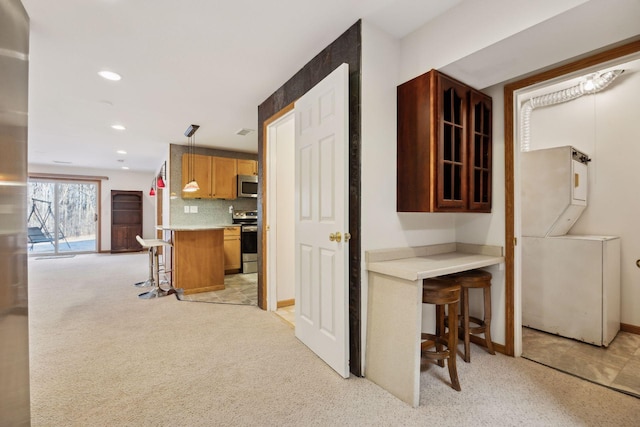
{"x":205,"y":289}
{"x":198,"y":260}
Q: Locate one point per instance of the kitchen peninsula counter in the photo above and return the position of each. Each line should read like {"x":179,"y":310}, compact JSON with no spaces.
{"x":394,"y":307}
{"x":196,"y":258}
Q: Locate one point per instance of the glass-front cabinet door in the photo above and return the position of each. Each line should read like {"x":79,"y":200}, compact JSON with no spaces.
{"x":452,"y":156}
{"x":480,"y":152}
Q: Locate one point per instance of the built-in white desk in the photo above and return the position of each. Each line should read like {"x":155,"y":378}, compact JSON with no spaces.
{"x":394,"y":309}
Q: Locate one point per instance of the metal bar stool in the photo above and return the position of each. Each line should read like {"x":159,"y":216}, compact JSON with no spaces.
{"x":477,"y":279}
{"x":154,"y":269}
{"x":442,"y":291}
{"x":150,"y":280}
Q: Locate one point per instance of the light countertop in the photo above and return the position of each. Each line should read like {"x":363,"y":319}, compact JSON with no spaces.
{"x":417,"y":263}
{"x":193,"y":227}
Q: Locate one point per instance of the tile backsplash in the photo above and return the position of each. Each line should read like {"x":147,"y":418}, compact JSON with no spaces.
{"x":210,"y":212}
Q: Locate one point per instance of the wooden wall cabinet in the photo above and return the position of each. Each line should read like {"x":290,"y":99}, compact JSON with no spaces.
{"x":216,"y":176}
{"x":444,"y":146}
{"x":126,"y":220}
{"x":224,"y":171}
{"x":232,"y":254}
{"x":247,"y":167}
{"x":198,"y":167}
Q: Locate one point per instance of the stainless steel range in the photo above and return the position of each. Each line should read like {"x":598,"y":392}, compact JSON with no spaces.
{"x":248,"y":221}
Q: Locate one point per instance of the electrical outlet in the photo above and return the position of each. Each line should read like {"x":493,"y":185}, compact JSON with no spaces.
{"x":186,"y":209}
{"x":231,"y":209}
{"x":194,"y":209}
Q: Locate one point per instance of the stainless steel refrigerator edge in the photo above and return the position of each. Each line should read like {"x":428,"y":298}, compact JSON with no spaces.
{"x":14,"y":321}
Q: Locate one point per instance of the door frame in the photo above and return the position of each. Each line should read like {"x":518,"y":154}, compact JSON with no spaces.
{"x":510,"y":120}
{"x":345,"y":49}
{"x":267,"y":201}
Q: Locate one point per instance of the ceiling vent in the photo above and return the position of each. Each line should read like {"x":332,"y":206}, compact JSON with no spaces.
{"x":244,"y":131}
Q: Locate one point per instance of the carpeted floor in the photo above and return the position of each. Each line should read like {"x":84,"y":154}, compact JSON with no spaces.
{"x":102,"y":356}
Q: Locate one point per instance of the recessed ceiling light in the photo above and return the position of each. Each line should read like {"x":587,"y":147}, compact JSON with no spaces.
{"x":110,"y":75}
{"x":118,"y":127}
{"x":121,"y":152}
{"x":125,"y":167}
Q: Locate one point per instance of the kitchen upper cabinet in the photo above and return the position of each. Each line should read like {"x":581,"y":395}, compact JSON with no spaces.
{"x":216,"y":176}
{"x":444,"y":146}
{"x":198,"y":167}
{"x":247,"y":167}
{"x":224,"y":183}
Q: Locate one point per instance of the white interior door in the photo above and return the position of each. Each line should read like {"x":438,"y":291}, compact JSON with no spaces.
{"x":321,"y":214}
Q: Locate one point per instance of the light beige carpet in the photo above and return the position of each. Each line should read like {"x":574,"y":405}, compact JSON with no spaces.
{"x":102,"y":357}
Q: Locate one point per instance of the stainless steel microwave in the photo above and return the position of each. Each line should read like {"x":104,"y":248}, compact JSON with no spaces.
{"x":247,"y":186}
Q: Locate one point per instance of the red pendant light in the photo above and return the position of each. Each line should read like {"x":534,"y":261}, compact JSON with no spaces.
{"x":160,"y":182}
{"x":152,"y":192}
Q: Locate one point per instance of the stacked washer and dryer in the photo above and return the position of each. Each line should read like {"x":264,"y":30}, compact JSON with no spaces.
{"x":570,"y":283}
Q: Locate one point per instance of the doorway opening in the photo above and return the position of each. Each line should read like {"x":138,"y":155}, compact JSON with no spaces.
{"x":573,"y":273}
{"x":513,"y":253}
{"x":62,"y":216}
{"x":280,"y":213}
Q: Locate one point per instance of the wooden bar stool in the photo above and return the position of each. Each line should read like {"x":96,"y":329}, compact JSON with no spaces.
{"x":442,"y":292}
{"x":478,"y":279}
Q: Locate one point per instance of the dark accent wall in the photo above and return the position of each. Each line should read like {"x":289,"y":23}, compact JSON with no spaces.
{"x":345,"y":49}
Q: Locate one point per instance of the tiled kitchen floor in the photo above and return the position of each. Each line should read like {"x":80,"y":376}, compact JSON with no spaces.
{"x":617,"y":366}
{"x":239,"y":289}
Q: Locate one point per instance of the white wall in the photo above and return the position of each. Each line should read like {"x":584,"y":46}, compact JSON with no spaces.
{"x":605,"y":127}
{"x":118,"y":180}
{"x":381,"y":225}
{"x":470,"y":27}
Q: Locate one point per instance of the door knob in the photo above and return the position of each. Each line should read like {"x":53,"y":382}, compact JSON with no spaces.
{"x":335,"y":237}
{"x":347,"y":237}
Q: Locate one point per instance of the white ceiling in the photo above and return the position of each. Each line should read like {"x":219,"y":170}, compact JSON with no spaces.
{"x":206,"y":62}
